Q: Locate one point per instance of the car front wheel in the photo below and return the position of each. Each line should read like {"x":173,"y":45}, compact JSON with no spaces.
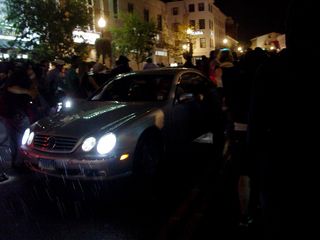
{"x":149,"y":154}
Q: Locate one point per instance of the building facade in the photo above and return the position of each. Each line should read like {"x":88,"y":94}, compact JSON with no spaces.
{"x":206,"y":20}
{"x":149,"y":10}
{"x":267,"y":41}
{"x":282,"y":41}
{"x":231,"y":43}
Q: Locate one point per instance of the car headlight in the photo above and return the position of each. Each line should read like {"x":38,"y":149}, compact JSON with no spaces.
{"x":106,"y":143}
{"x":25,"y":136}
{"x":30,"y":138}
{"x":68,"y":103}
{"x":88,"y":144}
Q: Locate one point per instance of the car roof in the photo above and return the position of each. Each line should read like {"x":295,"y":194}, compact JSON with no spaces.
{"x":170,"y":71}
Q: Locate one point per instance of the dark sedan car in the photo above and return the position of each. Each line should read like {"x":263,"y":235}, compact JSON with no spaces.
{"x":124,"y":127}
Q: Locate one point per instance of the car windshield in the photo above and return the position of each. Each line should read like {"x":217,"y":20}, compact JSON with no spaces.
{"x":136,"y":88}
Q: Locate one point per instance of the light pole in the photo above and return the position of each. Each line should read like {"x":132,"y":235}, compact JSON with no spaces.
{"x":102,"y":43}
{"x":189,"y":33}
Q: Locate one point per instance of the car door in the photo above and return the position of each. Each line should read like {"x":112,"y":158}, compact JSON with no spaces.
{"x":187,"y":110}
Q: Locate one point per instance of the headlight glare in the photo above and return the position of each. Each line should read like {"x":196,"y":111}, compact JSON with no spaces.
{"x":68,"y":104}
{"x":106,"y":143}
{"x":25,"y":136}
{"x":88,"y":144}
{"x":30,"y":138}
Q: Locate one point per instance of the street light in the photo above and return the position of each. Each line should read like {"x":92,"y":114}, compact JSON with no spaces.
{"x":189,"y":31}
{"x":225,"y":41}
{"x":103,"y":44}
{"x":185,"y":47}
{"x":102,"y":24}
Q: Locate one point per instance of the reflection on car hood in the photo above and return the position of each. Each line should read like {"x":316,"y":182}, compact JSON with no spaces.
{"x":90,"y":117}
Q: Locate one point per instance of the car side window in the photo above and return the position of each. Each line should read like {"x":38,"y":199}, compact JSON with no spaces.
{"x":132,"y":88}
{"x":191,"y":84}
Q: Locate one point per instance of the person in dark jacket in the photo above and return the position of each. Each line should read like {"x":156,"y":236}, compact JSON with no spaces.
{"x":6,"y":69}
{"x":122,"y":66}
{"x":72,"y":78}
{"x":55,"y":82}
{"x":282,"y":121}
{"x":188,"y":63}
{"x":242,"y":165}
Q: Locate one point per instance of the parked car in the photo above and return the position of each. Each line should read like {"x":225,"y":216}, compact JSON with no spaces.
{"x":124,"y":127}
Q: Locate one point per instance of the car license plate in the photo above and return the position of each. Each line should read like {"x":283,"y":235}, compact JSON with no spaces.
{"x":46,"y":164}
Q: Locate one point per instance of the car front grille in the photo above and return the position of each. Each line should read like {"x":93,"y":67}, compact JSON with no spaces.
{"x":57,"y":144}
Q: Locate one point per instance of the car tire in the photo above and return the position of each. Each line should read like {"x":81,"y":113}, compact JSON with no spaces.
{"x":148,"y":156}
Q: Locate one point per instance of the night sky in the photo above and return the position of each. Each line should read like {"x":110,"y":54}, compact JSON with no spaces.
{"x":255,"y":17}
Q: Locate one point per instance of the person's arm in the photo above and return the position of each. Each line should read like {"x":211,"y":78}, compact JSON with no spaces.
{"x":218,"y":76}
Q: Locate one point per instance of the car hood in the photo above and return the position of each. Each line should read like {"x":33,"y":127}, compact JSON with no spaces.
{"x":90,"y":117}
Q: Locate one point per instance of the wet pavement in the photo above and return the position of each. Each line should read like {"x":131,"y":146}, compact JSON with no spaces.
{"x":193,"y":201}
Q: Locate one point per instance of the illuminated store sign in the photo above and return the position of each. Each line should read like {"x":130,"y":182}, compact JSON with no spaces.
{"x":88,"y":37}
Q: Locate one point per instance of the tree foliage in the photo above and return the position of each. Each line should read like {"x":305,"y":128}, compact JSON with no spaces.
{"x":47,"y":24}
{"x":174,"y":40}
{"x":135,"y":37}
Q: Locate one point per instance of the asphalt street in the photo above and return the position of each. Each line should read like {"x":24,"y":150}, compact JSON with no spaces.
{"x":191,"y":201}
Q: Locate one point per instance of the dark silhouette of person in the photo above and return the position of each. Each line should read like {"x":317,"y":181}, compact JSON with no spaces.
{"x":122,"y":66}
{"x":88,"y":84}
{"x":6,"y":69}
{"x":72,"y":78}
{"x":149,"y":64}
{"x":241,"y":164}
{"x":19,"y":92}
{"x":101,"y":75}
{"x":281,"y":124}
{"x":55,"y":82}
{"x":213,"y":66}
{"x":230,"y":73}
{"x":188,"y":63}
{"x":203,"y":65}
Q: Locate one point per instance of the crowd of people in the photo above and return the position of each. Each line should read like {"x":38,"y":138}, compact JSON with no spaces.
{"x":234,"y":78}
{"x":30,"y":91}
{"x":258,"y":94}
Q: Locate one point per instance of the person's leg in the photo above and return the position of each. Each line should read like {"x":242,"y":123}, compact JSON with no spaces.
{"x":21,"y":123}
{"x":241,"y":165}
{"x":244,"y":198}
